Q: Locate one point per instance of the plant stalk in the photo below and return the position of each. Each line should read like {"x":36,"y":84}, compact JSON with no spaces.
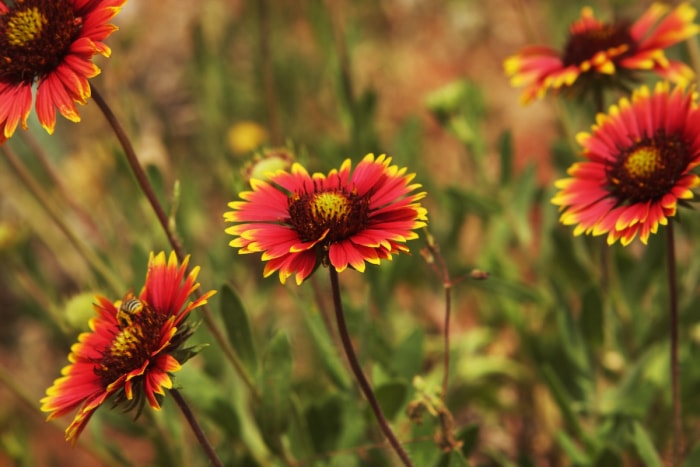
{"x":196,"y":428}
{"x":359,"y":375}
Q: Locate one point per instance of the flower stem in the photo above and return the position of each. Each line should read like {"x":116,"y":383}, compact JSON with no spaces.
{"x":357,"y":370}
{"x":138,"y":172}
{"x":675,"y":367}
{"x":196,"y":428}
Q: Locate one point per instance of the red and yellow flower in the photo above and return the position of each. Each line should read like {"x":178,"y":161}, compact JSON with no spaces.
{"x":50,"y":44}
{"x":599,"y":53}
{"x":640,"y":158}
{"x":130,"y":351}
{"x":346,"y":218}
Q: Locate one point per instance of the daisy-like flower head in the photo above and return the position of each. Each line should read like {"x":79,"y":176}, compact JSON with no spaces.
{"x":638,"y":169}
{"x":605,"y":54}
{"x":130,"y":351}
{"x":298,"y":221}
{"x":50,"y":43}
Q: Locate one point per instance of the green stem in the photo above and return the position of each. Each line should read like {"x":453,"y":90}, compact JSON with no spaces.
{"x":147,"y":189}
{"x":675,"y":366}
{"x":196,"y":428}
{"x":357,"y":371}
{"x":57,"y":216}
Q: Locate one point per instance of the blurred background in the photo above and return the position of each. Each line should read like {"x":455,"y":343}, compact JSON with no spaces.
{"x":553,"y":363}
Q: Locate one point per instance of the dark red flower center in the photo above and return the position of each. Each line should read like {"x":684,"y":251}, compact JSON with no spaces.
{"x":583,"y":45}
{"x":339,"y":213}
{"x":648,"y":169}
{"x":138,"y":337}
{"x":35,"y":36}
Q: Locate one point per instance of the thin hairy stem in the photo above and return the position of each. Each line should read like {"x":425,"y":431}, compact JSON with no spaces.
{"x":357,"y":370}
{"x":675,"y":367}
{"x":439,"y":266}
{"x":147,"y":189}
{"x":57,"y":216}
{"x":196,"y":428}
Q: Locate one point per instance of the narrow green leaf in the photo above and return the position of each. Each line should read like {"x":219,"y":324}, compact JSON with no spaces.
{"x":238,"y":328}
{"x":645,"y":448}
{"x":505,"y":149}
{"x":572,"y":450}
{"x":562,"y":399}
{"x":326,"y":351}
{"x":273,"y":414}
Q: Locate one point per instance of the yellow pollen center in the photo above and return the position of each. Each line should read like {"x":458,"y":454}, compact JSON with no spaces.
{"x":329,"y":206}
{"x":126,"y":341}
{"x":643,"y":163}
{"x":24,"y":26}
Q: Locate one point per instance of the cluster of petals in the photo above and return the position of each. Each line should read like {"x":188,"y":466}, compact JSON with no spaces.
{"x":50,"y":45}
{"x":130,"y":358}
{"x":342,"y":219}
{"x":639,"y":167}
{"x":605,"y":50}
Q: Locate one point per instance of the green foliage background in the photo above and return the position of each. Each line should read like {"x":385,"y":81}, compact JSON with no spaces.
{"x":553,"y":361}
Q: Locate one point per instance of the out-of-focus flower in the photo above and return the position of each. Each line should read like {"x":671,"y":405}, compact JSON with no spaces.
{"x":50,"y":44}
{"x":131,"y":349}
{"x":640,"y":157}
{"x":244,"y":137}
{"x":601,"y":54}
{"x":298,"y":221}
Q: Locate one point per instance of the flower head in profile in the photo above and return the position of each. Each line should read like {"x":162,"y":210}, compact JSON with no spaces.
{"x":346,"y":218}
{"x":605,"y":54}
{"x":49,"y":43}
{"x":640,"y":158}
{"x":131,"y":349}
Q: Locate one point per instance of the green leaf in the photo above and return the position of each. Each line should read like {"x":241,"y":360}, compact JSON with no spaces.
{"x":391,"y":398}
{"x":645,"y":448}
{"x":324,"y":420}
{"x":453,"y":459}
{"x":326,"y":351}
{"x":469,"y":436}
{"x":238,"y":328}
{"x":505,"y":146}
{"x":273,"y":414}
{"x":592,"y":317}
{"x":408,"y":358}
{"x":572,"y":450}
